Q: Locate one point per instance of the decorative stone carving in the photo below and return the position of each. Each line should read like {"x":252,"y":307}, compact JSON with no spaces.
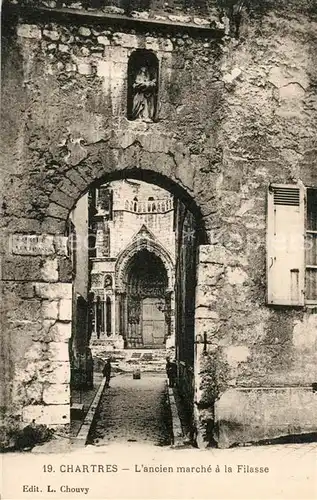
{"x":144,"y":95}
{"x":108,"y":282}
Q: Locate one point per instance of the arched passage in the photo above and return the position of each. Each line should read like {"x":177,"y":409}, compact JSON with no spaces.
{"x":56,"y":292}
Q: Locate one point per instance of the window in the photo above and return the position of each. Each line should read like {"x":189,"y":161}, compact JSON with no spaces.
{"x":105,"y":202}
{"x":108,"y":316}
{"x":151,"y":204}
{"x":311,"y":246}
{"x":292,"y":245}
{"x":135,"y":204}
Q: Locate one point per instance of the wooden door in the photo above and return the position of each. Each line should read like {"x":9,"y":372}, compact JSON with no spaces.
{"x":153,"y":321}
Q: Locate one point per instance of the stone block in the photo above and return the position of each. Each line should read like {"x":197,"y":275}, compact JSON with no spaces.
{"x":62,"y":199}
{"x":85,"y":51}
{"x":206,"y":326}
{"x":204,"y":312}
{"x":41,"y":333}
{"x":103,"y":40}
{"x":52,"y":225}
{"x":61,"y":331}
{"x":50,"y":309}
{"x":56,"y":394}
{"x":210,"y":274}
{"x":49,"y":270}
{"x":68,"y":188}
{"x":77,"y":179}
{"x":18,"y":291}
{"x":53,"y":290}
{"x":50,"y":415}
{"x":23,"y":225}
{"x":85,"y":171}
{"x":218,"y":254}
{"x":84,"y":68}
{"x":65,"y":270}
{"x":22,"y":268}
{"x":126,"y":40}
{"x":51,"y":35}
{"x":58,"y":351}
{"x":206,"y":296}
{"x":250,"y":415}
{"x":22,"y":310}
{"x":61,"y":245}
{"x":57,"y":373}
{"x":63,"y":48}
{"x":85,"y":32}
{"x":152,"y":44}
{"x":65,"y":310}
{"x":34,"y":392}
{"x":70,"y":67}
{"x":29,"y":31}
{"x":57,"y":212}
{"x":53,"y":331}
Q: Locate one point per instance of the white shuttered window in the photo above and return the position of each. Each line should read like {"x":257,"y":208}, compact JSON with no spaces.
{"x":286,"y":245}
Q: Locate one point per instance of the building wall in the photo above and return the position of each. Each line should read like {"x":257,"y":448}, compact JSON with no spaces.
{"x":126,"y":223}
{"x":237,"y":111}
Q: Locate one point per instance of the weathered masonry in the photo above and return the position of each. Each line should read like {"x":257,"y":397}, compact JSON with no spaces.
{"x":223,"y":115}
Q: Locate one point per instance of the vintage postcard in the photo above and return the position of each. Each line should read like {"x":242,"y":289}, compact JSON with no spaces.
{"x":158,"y":249}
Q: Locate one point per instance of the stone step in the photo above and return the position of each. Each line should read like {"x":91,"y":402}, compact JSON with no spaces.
{"x":128,"y":360}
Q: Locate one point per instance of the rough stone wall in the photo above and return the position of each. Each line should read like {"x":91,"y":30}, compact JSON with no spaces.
{"x":259,"y":357}
{"x":235,"y":114}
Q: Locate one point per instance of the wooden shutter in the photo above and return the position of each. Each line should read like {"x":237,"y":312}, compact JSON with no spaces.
{"x":285,"y":245}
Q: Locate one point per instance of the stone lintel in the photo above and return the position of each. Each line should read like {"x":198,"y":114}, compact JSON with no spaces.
{"x":109,"y":19}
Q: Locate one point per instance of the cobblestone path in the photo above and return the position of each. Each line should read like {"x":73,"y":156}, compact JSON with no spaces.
{"x":133,"y":411}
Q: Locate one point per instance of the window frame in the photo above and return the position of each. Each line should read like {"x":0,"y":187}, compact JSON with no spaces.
{"x":308,"y":302}
{"x":270,"y":253}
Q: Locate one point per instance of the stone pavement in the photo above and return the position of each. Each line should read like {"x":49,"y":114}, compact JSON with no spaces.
{"x":133,"y":410}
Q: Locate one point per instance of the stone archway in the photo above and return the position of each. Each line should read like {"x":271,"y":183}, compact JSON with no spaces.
{"x":151,"y":246}
{"x":41,"y":378}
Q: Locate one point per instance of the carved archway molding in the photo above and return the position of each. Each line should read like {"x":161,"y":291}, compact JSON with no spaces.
{"x":125,"y":257}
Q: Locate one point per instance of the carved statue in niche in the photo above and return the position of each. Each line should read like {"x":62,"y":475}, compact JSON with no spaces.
{"x":108,"y":282}
{"x":144,"y":95}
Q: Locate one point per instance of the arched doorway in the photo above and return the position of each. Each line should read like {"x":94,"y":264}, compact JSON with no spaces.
{"x":147,"y":321}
